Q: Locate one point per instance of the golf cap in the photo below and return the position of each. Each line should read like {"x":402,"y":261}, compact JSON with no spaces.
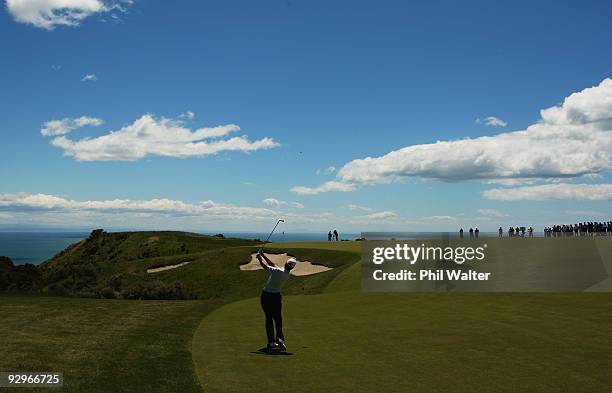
{"x":290,"y":264}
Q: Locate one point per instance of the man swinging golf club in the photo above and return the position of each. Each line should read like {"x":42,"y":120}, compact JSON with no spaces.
{"x":271,"y":301}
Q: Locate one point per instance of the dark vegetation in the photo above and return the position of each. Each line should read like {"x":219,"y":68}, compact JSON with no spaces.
{"x":19,"y":279}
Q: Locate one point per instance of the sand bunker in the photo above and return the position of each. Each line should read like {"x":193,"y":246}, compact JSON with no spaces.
{"x":301,"y":269}
{"x":167,"y":267}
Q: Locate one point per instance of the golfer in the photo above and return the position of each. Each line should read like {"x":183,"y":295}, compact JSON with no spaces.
{"x":271,"y":300}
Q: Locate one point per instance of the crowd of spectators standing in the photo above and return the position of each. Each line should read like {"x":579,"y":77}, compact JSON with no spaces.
{"x":603,"y":228}
{"x":580,"y":229}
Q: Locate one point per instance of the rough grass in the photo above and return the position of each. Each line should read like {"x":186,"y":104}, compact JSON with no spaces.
{"x":103,"y":345}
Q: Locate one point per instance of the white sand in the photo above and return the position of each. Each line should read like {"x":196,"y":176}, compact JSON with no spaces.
{"x":302,"y":268}
{"x":167,"y":267}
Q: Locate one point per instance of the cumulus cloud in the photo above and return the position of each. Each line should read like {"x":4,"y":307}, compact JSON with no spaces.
{"x":359,"y":208}
{"x":278,"y":202}
{"x":492,"y":121}
{"x":492,"y":213}
{"x":48,"y":14}
{"x":587,"y":192}
{"x":64,"y":126}
{"x":571,"y":140}
{"x":325,"y":187}
{"x":160,"y":137}
{"x":45,"y":202}
{"x":89,"y":78}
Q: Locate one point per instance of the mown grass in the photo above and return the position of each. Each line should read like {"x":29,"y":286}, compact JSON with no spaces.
{"x":359,"y":342}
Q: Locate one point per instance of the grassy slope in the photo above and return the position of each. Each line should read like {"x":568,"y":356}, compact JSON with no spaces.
{"x":346,"y":340}
{"x":116,"y":263}
{"x":216,"y":274}
{"x":103,"y":345}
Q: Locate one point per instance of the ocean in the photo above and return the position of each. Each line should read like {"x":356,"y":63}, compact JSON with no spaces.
{"x":36,"y":247}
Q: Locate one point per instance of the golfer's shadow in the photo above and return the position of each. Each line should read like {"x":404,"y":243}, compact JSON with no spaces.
{"x":265,"y":351}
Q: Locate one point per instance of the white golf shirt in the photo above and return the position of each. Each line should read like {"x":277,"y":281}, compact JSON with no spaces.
{"x":278,"y":276}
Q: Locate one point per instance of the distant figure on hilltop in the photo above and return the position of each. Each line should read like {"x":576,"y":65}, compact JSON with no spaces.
{"x":476,"y":232}
{"x":329,"y":236}
{"x":461,"y":232}
{"x":336,"y":234}
{"x":501,"y":232}
{"x":471,"y":232}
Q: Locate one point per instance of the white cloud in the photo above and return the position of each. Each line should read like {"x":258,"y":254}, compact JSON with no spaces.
{"x":571,"y":140}
{"x":359,"y":208}
{"x":588,"y":192}
{"x":64,"y":126}
{"x":47,"y":14}
{"x":325,"y":187}
{"x":492,"y":121}
{"x":384,"y":215}
{"x":438,"y":218}
{"x":45,"y":202}
{"x":492,"y":213}
{"x":160,"y":137}
{"x":89,"y":78}
{"x":277,"y":202}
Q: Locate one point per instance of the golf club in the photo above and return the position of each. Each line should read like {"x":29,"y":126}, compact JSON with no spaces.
{"x":273,"y":229}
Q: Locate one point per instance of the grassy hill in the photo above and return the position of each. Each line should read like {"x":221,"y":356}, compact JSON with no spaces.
{"x":114,"y":265}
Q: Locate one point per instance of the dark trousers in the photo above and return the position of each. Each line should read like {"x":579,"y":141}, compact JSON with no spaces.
{"x":271,"y":304}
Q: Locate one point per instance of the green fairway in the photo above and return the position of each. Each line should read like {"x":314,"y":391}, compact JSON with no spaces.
{"x":102,"y":345}
{"x":352,"y":341}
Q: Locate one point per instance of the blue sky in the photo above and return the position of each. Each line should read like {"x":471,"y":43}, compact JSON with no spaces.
{"x":324,"y":83}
